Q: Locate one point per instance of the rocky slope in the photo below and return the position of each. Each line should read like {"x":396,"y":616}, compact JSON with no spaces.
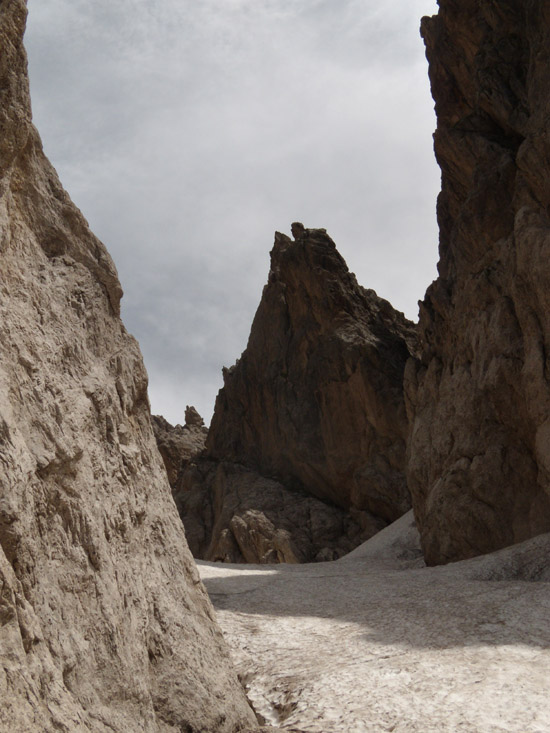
{"x":104,"y":623}
{"x":307,"y":442}
{"x":479,"y":451}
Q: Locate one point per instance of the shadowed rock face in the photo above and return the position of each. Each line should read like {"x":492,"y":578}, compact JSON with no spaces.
{"x":305,"y":455}
{"x":233,"y":514}
{"x":316,"y":399}
{"x":177,"y":444}
{"x":315,"y":403}
{"x":479,"y":451}
{"x":104,"y":624}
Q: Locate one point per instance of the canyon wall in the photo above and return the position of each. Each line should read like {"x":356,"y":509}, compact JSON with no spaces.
{"x":234,"y":514}
{"x":479,"y":398}
{"x":104,"y":623}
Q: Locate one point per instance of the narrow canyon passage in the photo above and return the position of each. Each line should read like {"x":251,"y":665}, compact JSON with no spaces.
{"x":378,"y":642}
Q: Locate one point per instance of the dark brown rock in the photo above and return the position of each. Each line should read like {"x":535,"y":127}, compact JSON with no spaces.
{"x":316,"y":400}
{"x":192,"y":418}
{"x":305,"y":455}
{"x":178,"y":445}
{"x":479,"y":466}
{"x":232,"y":514}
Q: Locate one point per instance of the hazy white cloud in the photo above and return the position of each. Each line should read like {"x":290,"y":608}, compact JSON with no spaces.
{"x":189,"y":130}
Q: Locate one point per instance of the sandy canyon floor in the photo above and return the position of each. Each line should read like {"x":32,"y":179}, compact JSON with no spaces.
{"x":378,"y":642}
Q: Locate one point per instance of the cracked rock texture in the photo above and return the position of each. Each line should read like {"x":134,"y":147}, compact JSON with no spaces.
{"x":315,"y":402}
{"x":305,"y":456}
{"x":316,"y":399}
{"x":104,"y":623}
{"x":479,"y":450}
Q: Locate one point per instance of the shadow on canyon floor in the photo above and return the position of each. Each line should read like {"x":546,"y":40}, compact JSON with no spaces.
{"x":460,"y":605}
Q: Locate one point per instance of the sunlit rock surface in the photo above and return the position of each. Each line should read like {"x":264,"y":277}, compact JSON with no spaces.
{"x":104,"y":623}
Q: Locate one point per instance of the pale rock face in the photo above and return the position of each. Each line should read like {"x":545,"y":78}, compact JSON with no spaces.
{"x":104,"y":623}
{"x":479,"y":398}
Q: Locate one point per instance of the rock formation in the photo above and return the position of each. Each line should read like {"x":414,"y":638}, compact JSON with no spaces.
{"x":479,"y":452}
{"x":316,"y":400}
{"x":233,"y":514}
{"x":104,"y":623}
{"x":177,"y":444}
{"x":305,"y":456}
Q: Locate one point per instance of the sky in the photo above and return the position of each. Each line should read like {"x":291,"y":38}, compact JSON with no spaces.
{"x":189,"y":131}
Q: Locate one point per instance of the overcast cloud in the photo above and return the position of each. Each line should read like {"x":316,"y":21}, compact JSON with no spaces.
{"x":188,"y":131}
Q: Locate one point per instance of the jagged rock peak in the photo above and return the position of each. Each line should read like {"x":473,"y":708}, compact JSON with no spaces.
{"x":104,"y":624}
{"x":305,"y":455}
{"x":192,"y":418}
{"x":479,"y":466}
{"x":178,"y":445}
{"x":316,"y":399}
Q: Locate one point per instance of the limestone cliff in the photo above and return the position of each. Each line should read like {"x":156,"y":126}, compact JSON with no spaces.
{"x":479,"y":452}
{"x":307,"y":442}
{"x":104,"y":623}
